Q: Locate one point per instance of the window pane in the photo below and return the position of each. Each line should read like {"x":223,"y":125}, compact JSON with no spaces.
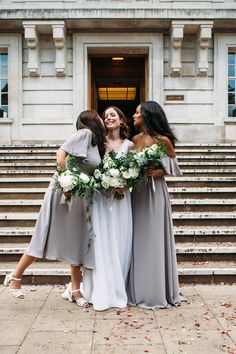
{"x":4,"y":72}
{"x":4,"y":108}
{"x":4,"y":100}
{"x":231,"y":85}
{"x":4,"y":86}
{"x":231,"y":98}
{"x":231,"y":58}
{"x":231,"y":70}
{"x":4,"y":59}
{"x":230,"y":111}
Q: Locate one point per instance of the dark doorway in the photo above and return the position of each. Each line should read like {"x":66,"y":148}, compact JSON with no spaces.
{"x":118,"y":80}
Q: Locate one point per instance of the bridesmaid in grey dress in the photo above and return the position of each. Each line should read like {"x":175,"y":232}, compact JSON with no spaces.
{"x":61,"y":233}
{"x":153,"y":278}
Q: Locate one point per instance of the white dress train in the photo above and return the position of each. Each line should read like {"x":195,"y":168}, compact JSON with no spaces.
{"x":105,"y":286}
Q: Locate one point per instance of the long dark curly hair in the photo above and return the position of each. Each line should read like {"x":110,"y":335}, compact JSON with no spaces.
{"x":90,"y":120}
{"x":123,"y":126}
{"x":155,"y":120}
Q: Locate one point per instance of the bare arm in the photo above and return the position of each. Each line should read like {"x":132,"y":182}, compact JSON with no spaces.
{"x":61,"y":158}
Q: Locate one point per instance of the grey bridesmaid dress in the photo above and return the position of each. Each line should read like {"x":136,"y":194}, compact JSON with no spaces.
{"x":61,"y":232}
{"x":153,"y":277}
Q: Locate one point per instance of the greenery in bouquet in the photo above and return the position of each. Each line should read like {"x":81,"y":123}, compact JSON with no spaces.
{"x":117,"y":173}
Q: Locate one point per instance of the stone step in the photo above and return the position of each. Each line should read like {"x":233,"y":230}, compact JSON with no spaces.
{"x":197,"y":150}
{"x":203,"y":192}
{"x":189,"y":272}
{"x":203,"y":205}
{"x":187,"y":252}
{"x":24,"y":182}
{"x":176,"y":193}
{"x":182,"y":234}
{"x":204,"y":218}
{"x":178,"y":205}
{"x":179,"y":219}
{"x":176,"y":182}
{"x":22,"y":193}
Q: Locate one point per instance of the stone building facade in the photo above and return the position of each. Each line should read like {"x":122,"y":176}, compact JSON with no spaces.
{"x":58,"y":58}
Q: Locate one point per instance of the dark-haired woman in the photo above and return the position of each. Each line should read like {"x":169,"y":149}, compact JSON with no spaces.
{"x":61,"y":233}
{"x":153,"y":279}
{"x":105,"y":285}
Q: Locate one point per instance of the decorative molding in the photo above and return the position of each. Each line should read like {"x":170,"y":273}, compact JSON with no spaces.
{"x":32,"y":40}
{"x":203,"y":41}
{"x":59,"y":36}
{"x":177,"y":34}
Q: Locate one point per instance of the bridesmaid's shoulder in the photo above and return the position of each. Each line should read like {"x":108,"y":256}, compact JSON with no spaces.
{"x":168,"y":144}
{"x":83,"y":132}
{"x":130,"y":145}
{"x":136,"y":138}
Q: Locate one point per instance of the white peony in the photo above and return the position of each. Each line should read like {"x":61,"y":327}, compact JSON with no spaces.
{"x":84,"y":178}
{"x":66,"y":181}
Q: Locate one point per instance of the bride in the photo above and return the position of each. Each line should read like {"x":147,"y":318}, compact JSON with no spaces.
{"x":105,"y":286}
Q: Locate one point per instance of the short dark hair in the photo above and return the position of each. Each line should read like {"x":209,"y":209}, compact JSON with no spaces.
{"x":90,"y":120}
{"x":155,"y":120}
{"x":123,"y":126}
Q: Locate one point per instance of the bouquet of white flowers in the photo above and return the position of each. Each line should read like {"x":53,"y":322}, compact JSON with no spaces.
{"x":150,"y":157}
{"x":117,"y":173}
{"x":73,"y":181}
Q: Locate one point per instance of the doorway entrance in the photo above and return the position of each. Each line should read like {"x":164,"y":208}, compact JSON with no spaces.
{"x":118,"y":80}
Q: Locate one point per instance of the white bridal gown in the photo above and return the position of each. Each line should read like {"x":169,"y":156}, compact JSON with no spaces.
{"x":105,"y":286}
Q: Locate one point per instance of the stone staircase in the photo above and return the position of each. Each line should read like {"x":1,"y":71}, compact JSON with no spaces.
{"x":203,"y":202}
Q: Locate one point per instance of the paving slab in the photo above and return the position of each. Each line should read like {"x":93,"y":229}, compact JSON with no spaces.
{"x":56,"y":342}
{"x":197,"y":341}
{"x":45,"y":323}
{"x":128,"y":349}
{"x":8,"y":349}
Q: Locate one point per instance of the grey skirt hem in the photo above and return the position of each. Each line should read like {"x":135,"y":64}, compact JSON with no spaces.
{"x":54,"y":258}
{"x":157,"y":307}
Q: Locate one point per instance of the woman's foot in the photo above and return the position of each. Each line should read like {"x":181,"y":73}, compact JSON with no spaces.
{"x":75,"y":296}
{"x":14,"y":285}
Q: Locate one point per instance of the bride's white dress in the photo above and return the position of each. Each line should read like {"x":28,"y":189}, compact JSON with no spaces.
{"x":105,"y":285}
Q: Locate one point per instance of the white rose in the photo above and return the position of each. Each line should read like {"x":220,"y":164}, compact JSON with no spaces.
{"x":116,"y":183}
{"x":84,"y":178}
{"x":133,"y":172}
{"x":114,"y":172}
{"x":106,"y":181}
{"x":97,"y":173}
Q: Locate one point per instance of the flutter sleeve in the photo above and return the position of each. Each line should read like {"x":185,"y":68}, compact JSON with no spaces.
{"x":77,"y":144}
{"x":170,"y":165}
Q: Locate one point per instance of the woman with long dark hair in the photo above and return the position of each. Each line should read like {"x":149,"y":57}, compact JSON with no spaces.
{"x":61,"y":233}
{"x":153,"y":279}
{"x":105,"y":285}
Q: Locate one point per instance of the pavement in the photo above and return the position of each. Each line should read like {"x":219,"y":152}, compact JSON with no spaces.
{"x":46,"y":323}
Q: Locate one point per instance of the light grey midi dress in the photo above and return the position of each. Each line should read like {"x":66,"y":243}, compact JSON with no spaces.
{"x":61,"y":232}
{"x":153,"y":278}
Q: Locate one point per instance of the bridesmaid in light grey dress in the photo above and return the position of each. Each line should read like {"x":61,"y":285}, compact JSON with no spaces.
{"x":153,"y":278}
{"x":61,"y":232}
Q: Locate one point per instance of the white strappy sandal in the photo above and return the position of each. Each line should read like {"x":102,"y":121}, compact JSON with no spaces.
{"x":68,"y":295}
{"x":16,"y":293}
